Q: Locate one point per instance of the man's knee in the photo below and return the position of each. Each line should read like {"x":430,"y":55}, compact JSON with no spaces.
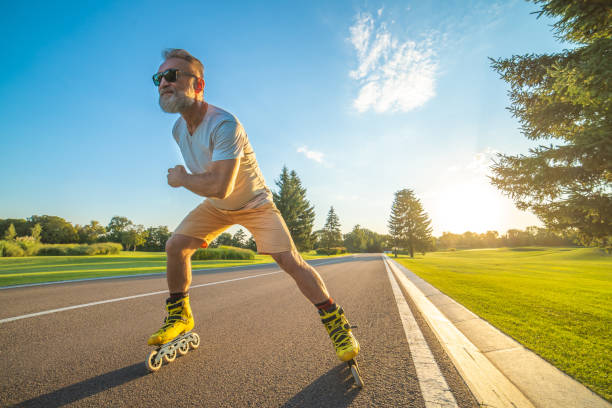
{"x":182,"y":246}
{"x":288,"y":261}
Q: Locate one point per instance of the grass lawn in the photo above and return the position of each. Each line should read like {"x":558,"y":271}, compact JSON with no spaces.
{"x":35,"y":269}
{"x":555,"y":301}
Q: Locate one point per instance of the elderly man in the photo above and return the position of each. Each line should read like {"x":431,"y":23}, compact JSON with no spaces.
{"x":223,"y":168}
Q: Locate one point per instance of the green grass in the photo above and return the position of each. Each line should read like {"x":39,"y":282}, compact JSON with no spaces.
{"x":36,"y":269}
{"x":555,"y":301}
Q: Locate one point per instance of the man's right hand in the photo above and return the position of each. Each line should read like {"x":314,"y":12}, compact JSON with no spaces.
{"x":177,"y":176}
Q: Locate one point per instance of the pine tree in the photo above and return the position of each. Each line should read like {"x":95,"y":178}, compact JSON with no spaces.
{"x":332,"y":236}
{"x":566,"y":98}
{"x":409,"y":224}
{"x":299,"y":215}
{"x":10,"y":233}
{"x":239,"y":239}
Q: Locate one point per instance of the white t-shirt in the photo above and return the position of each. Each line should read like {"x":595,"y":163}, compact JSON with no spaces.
{"x":221,"y":136}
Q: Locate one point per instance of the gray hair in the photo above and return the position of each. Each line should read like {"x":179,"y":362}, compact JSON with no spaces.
{"x":184,"y":55}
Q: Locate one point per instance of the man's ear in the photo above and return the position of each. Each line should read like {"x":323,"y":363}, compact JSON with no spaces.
{"x":199,"y":85}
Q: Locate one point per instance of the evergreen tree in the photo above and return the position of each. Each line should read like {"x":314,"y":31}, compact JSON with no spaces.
{"x":332,"y":236}
{"x":239,"y":239}
{"x":251,"y":244}
{"x":35,"y":232}
{"x":566,"y":98}
{"x":299,"y":215}
{"x":10,"y":233}
{"x":409,"y":224}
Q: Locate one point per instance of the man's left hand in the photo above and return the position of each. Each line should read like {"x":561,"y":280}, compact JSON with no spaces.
{"x":177,"y":176}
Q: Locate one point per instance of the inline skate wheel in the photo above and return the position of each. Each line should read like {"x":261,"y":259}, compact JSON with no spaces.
{"x":194,"y":342}
{"x":183,"y":347}
{"x":356,"y":374}
{"x":169,"y":357}
{"x":153,"y":364}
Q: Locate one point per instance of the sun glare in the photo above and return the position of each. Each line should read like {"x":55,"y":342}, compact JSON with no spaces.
{"x":473,"y":206}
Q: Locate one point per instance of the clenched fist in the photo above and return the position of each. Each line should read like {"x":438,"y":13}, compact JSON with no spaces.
{"x":176,"y":176}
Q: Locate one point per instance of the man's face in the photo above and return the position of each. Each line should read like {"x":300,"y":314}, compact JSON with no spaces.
{"x":176,"y":97}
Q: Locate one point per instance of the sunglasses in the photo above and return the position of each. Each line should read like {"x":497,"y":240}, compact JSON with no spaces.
{"x":171,"y":75}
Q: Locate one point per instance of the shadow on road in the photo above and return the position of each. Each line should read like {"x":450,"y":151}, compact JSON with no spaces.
{"x":333,"y":389}
{"x":87,"y":388}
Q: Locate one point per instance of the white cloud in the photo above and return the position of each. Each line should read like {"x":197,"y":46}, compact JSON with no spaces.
{"x":311,"y":154}
{"x":393,"y":75}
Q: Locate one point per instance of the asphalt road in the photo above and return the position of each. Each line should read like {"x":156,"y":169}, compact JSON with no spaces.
{"x":262,"y":344}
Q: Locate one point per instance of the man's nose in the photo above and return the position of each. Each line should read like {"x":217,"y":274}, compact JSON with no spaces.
{"x":163,"y":84}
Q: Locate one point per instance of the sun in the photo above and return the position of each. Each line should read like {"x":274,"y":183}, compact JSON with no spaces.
{"x":469,"y":206}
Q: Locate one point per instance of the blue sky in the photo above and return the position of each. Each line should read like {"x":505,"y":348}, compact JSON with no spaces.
{"x":361,"y":98}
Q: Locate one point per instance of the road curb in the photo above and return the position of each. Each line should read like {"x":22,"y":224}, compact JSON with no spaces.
{"x":499,"y":371}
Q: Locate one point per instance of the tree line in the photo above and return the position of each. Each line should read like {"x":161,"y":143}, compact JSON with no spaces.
{"x":409,"y":229}
{"x":51,"y":229}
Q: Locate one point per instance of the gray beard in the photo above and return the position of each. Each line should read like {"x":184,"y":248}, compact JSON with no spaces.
{"x":174,"y":103}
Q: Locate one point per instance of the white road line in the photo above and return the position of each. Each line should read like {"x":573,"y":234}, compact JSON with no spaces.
{"x":138,"y":275}
{"x":63,"y":309}
{"x":436,"y":392}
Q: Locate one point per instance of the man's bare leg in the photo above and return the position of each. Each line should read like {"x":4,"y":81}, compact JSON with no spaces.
{"x":307,"y":278}
{"x":179,"y":249}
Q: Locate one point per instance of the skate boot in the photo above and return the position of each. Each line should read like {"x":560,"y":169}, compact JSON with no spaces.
{"x":346,"y":345}
{"x":339,"y":329}
{"x":174,"y":336}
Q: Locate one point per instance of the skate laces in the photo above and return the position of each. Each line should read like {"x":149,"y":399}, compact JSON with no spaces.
{"x":339,"y":329}
{"x":175,"y":313}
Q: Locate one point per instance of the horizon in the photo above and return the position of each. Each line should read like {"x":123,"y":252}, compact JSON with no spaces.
{"x":369,"y":97}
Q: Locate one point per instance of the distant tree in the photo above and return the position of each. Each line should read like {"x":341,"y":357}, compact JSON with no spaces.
{"x":223,"y":239}
{"x":409,"y":224}
{"x":156,"y":239}
{"x":90,"y":233}
{"x":356,"y":240}
{"x":565,"y":97}
{"x":55,"y":230}
{"x":239,"y":239}
{"x":117,"y":227}
{"x":22,"y":227}
{"x":332,"y":236}
{"x":135,"y":236}
{"x":10,"y":233}
{"x":35,"y":232}
{"x":251,"y":244}
{"x":299,"y":215}
{"x":364,"y":240}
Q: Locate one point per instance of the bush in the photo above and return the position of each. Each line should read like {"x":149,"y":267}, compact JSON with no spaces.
{"x":106,"y":248}
{"x":29,"y":245}
{"x":223,"y":252}
{"x":331,"y":251}
{"x":11,"y":248}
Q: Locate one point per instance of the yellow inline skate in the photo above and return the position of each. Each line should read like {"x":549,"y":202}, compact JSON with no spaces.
{"x":346,"y":345}
{"x":175,"y":336}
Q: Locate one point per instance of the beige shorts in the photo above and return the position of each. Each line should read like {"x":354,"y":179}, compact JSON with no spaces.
{"x":265,"y":222}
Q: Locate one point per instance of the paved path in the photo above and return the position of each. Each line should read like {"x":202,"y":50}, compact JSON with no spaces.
{"x":262,"y":344}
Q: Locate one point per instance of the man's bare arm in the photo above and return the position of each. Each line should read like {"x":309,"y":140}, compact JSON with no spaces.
{"x":216,"y":182}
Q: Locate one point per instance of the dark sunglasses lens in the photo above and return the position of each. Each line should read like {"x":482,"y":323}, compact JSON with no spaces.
{"x":171,"y":75}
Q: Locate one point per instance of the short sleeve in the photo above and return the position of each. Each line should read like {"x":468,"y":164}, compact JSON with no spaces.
{"x":175,"y":131}
{"x":228,"y":141}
